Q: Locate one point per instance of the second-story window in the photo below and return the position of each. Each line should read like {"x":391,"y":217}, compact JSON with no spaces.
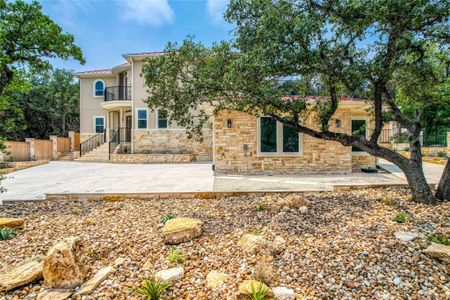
{"x":99,"y":88}
{"x":142,"y":118}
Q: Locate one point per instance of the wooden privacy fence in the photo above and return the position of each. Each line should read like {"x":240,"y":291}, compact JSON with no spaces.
{"x":43,"y":149}
{"x":63,"y":144}
{"x":77,"y":141}
{"x":17,"y":151}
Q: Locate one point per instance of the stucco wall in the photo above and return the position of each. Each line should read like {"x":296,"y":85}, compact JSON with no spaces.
{"x":172,"y":141}
{"x":90,"y":106}
{"x":318,"y":156}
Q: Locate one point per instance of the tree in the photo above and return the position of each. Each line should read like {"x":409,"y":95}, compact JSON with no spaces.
{"x":27,"y":36}
{"x":48,"y":106}
{"x":351,"y":46}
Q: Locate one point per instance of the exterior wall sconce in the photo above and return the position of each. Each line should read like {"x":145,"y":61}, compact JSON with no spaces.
{"x":229,"y":123}
{"x":338,"y":123}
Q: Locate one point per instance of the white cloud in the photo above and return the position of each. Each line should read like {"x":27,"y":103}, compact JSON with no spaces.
{"x":216,"y":9}
{"x":152,"y":12}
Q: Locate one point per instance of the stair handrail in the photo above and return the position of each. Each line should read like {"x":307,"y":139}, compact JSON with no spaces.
{"x":113,"y":142}
{"x":93,"y":142}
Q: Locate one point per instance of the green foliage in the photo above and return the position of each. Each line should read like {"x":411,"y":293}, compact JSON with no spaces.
{"x":6,"y":234}
{"x":400,"y":138}
{"x":441,"y":154}
{"x":257,"y":293}
{"x":47,"y":104}
{"x":166,"y":218}
{"x":439,"y":239}
{"x":260,"y":207}
{"x":400,"y":218}
{"x":174,"y":256}
{"x":152,"y":290}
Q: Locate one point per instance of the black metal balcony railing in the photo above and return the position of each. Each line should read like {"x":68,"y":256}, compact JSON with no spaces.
{"x":120,"y":92}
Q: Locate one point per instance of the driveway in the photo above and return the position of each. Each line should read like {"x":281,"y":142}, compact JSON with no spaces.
{"x":78,"y":177}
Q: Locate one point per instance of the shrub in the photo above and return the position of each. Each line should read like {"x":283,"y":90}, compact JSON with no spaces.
{"x":439,"y":239}
{"x":257,"y":293}
{"x":6,"y":234}
{"x":406,"y":149}
{"x":441,"y":154}
{"x":174,"y":256}
{"x":152,"y":289}
{"x":166,"y":218}
{"x":260,"y":207}
{"x":400,"y":218}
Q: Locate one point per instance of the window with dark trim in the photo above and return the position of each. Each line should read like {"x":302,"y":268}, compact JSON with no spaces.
{"x":99,"y":124}
{"x":141,"y":118}
{"x":290,"y":140}
{"x":99,"y":88}
{"x":163,"y":122}
{"x":268,"y":134}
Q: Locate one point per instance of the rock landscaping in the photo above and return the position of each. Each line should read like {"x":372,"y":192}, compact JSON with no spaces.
{"x":344,"y":245}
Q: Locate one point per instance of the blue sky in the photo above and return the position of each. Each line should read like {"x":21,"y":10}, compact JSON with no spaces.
{"x":106,"y":29}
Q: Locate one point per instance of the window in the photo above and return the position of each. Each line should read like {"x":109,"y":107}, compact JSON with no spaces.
{"x":276,"y":138}
{"x":99,"y":88}
{"x":141,"y":118}
{"x":290,"y":140}
{"x":162,"y":119}
{"x":358,"y":129}
{"x":99,"y":124}
{"x":268,"y":134}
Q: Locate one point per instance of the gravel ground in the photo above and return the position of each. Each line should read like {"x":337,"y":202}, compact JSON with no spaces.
{"x":343,"y":248}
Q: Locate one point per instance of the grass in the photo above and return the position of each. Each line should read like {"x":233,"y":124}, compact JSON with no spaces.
{"x":257,"y":293}
{"x":174,"y":256}
{"x":260,"y":207}
{"x":439,"y":239}
{"x":6,"y":234}
{"x":400,"y":218}
{"x":166,"y":218}
{"x":151,"y":289}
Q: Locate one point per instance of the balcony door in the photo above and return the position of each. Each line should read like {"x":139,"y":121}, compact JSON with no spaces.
{"x":123,"y":82}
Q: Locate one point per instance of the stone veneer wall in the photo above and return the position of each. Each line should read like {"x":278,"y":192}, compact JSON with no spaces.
{"x":362,"y":161}
{"x":173,"y":141}
{"x":152,"y":158}
{"x":319,"y":156}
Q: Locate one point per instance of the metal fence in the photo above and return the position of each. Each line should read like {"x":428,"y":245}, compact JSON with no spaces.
{"x":435,"y":140}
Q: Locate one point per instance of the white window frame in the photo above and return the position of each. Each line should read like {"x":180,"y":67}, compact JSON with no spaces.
{"x":279,"y":151}
{"x":137,"y":118}
{"x":95,"y":123}
{"x":359,"y":118}
{"x":157,"y":121}
{"x":94,"y":90}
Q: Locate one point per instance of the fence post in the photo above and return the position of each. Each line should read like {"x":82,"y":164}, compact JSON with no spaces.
{"x":31,"y":141}
{"x":421,"y":138}
{"x":54,"y":140}
{"x":72,"y":140}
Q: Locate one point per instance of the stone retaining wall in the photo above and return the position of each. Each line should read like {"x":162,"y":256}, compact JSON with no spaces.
{"x":152,"y":158}
{"x":9,"y":167}
{"x":172,"y":141}
{"x":362,"y":161}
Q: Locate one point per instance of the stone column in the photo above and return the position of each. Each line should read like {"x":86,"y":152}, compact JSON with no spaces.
{"x":54,"y":140}
{"x":31,"y":141}
{"x":72,"y":140}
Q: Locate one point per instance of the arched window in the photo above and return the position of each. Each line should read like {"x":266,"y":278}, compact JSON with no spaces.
{"x":99,"y":88}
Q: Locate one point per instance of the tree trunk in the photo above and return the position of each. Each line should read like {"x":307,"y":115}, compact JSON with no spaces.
{"x":420,"y":189}
{"x":443,"y":191}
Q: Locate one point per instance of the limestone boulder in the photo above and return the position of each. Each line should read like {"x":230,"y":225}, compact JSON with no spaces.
{"x":247,"y":286}
{"x":12,"y":223}
{"x":215,"y":279}
{"x":439,"y":252}
{"x":92,"y":283}
{"x":26,"y":272}
{"x":406,"y":236}
{"x":283,"y":293}
{"x":258,"y":244}
{"x":170,"y":275}
{"x":64,"y":264}
{"x":181,"y":230}
{"x":289,"y":202}
{"x":54,"y":294}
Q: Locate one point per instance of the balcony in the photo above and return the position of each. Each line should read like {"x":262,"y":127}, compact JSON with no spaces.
{"x":118,"y":93}
{"x":117,"y":97}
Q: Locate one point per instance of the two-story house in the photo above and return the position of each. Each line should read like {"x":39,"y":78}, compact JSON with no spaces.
{"x":117,"y":125}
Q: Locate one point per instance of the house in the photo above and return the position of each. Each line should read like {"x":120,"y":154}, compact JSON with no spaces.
{"x":117,"y":125}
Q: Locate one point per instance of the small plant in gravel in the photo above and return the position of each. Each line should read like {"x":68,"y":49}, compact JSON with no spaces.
{"x":439,"y":239}
{"x":6,"y":234}
{"x":166,"y":218}
{"x":174,"y":256}
{"x":400,"y":218}
{"x":151,"y":289}
{"x":258,"y":293}
{"x":260,"y":207}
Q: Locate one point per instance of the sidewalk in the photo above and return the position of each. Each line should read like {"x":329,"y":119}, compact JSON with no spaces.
{"x":433,"y":172}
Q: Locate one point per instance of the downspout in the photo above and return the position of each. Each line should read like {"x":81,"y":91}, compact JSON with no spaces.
{"x":133,"y":119}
